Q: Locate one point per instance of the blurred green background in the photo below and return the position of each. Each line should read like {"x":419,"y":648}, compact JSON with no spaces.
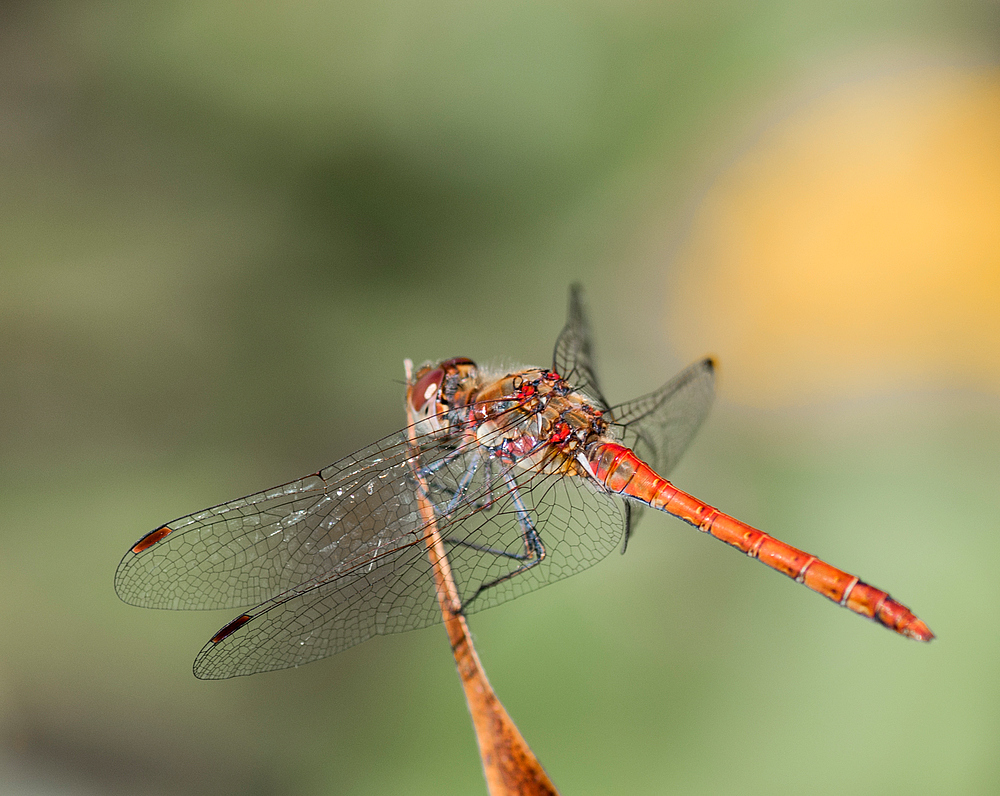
{"x":225,"y":225}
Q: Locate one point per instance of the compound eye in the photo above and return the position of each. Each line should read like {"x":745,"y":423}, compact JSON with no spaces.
{"x":426,"y":389}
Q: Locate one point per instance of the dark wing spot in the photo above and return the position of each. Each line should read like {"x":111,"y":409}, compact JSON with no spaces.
{"x":150,"y":539}
{"x":231,"y":628}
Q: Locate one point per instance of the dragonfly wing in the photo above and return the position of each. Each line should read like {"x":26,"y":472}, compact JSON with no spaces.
{"x":391,"y":592}
{"x":574,"y":350}
{"x":575,"y":523}
{"x":660,"y":426}
{"x":252,"y":549}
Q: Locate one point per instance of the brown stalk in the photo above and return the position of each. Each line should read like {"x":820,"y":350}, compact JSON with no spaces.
{"x":510,"y":767}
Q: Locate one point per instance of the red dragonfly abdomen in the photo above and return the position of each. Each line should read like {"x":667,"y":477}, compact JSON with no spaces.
{"x":625,"y":473}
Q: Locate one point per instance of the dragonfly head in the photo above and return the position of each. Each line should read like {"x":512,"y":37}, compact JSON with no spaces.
{"x":433,"y":391}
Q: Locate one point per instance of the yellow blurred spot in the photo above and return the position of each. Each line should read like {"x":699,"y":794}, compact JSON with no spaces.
{"x":855,"y":247}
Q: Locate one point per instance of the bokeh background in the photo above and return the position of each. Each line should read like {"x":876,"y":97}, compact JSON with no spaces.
{"x":223,"y":227}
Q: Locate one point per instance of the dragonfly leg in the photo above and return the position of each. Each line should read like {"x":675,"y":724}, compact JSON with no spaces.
{"x":465,"y":480}
{"x":429,"y":469}
{"x":455,"y":494}
{"x":432,"y":485}
{"x":534,"y":550}
{"x":492,"y":550}
{"x":437,"y":486}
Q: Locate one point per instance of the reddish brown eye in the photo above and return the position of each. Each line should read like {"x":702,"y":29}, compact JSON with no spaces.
{"x":427,"y":387}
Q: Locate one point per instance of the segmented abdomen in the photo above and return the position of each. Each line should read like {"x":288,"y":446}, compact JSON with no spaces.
{"x":625,"y":473}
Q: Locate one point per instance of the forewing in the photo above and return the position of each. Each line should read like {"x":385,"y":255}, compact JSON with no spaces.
{"x":252,"y":549}
{"x":573,"y":355}
{"x":660,"y":426}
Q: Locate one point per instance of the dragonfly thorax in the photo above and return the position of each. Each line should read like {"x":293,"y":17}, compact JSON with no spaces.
{"x":531,"y":418}
{"x":537,"y":421}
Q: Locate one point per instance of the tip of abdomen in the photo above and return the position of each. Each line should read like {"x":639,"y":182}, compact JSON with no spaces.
{"x":917,"y":630}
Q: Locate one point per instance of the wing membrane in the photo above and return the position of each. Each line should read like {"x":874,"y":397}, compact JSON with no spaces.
{"x":572,"y":358}
{"x":660,"y":425}
{"x":249,"y":550}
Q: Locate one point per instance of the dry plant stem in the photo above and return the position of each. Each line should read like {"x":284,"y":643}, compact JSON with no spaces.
{"x":508,"y":763}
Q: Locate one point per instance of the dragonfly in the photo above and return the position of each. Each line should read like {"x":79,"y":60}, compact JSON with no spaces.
{"x":532,"y":477}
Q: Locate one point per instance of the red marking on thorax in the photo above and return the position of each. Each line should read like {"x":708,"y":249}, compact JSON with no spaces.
{"x":521,"y":445}
{"x":561,"y":432}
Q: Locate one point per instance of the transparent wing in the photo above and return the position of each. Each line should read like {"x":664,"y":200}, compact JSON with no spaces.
{"x":659,"y":426}
{"x":340,"y":555}
{"x":577,"y":525}
{"x":391,"y":592}
{"x":252,"y":549}
{"x":574,"y":351}
{"x":394,"y":592}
